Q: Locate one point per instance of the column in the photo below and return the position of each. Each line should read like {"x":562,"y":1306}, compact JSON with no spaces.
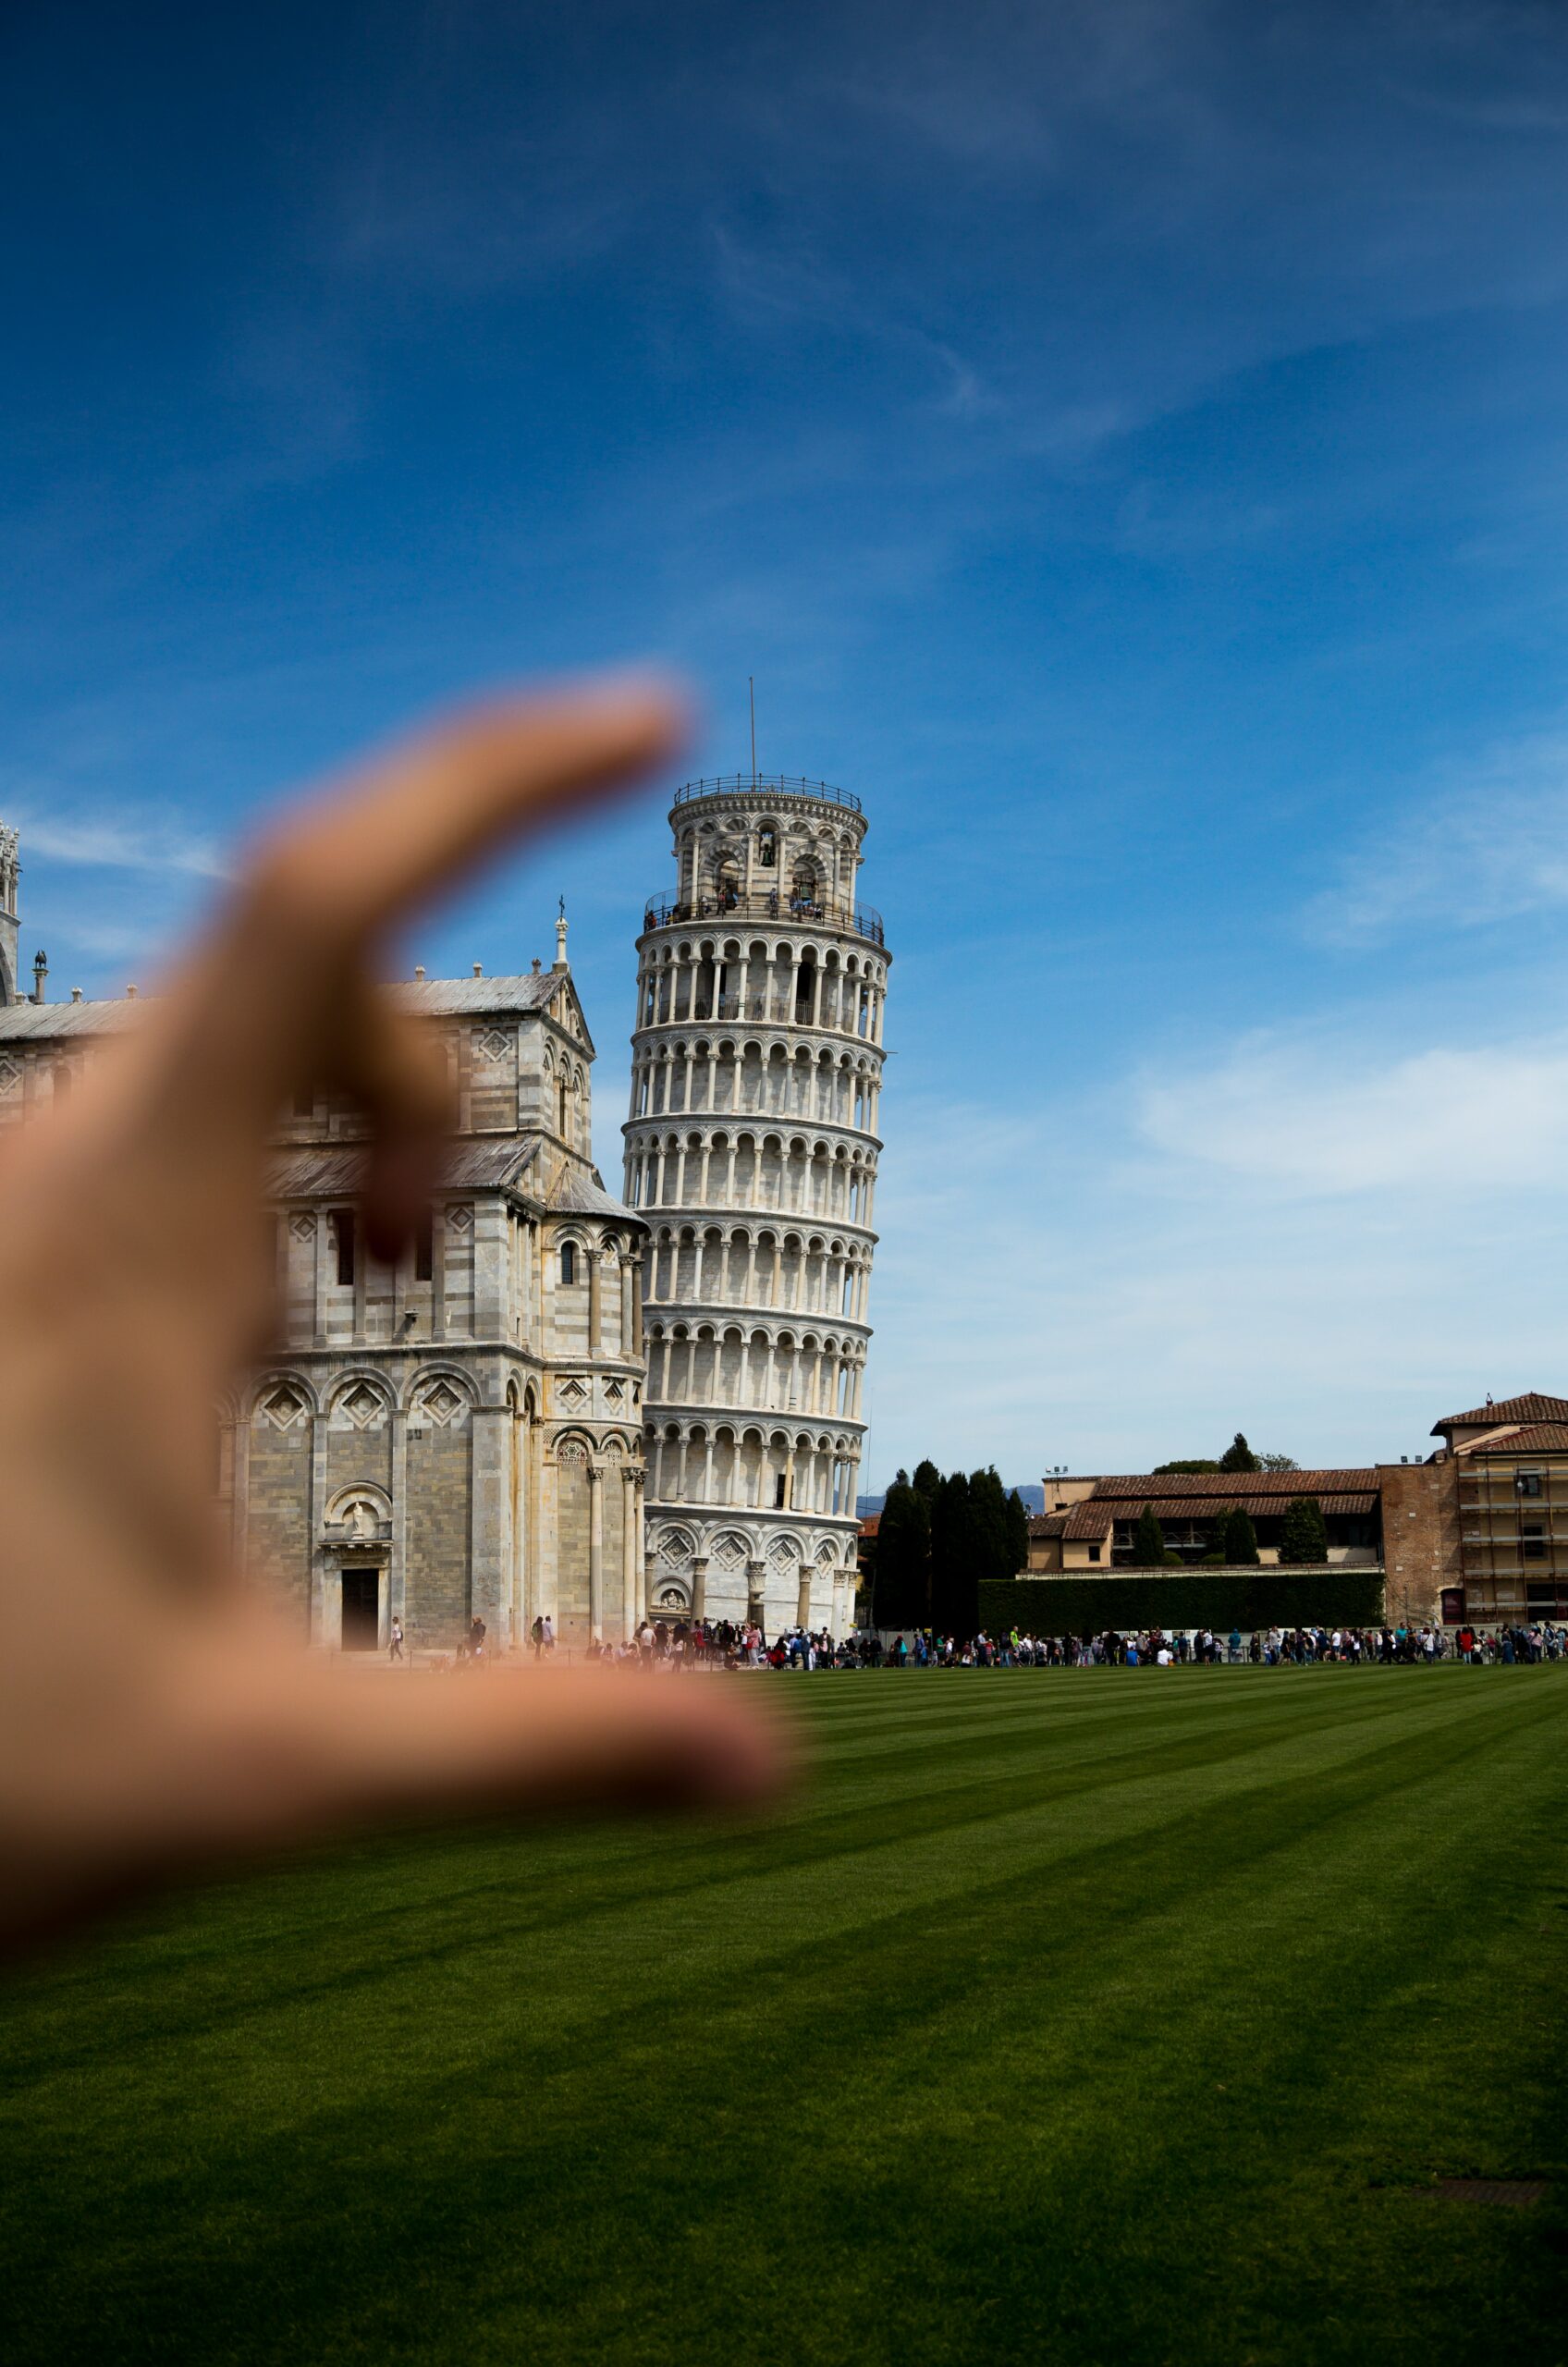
{"x":318,"y":1305}
{"x":438,"y":1271}
{"x":630,"y":1550}
{"x":626,"y":1330}
{"x":595,"y":1553}
{"x":240,"y":1480}
{"x":489,"y":1542}
{"x":319,"y":1624}
{"x":699,"y":1587}
{"x":596,"y":1302}
{"x":398,"y":1558}
{"x":802,"y":1600}
{"x":637,"y":1307}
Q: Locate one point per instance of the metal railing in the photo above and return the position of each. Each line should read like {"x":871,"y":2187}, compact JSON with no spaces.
{"x":779,"y":784}
{"x":811,"y":911}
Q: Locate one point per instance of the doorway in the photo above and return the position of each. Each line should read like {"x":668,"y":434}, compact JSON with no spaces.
{"x":362,"y":1609}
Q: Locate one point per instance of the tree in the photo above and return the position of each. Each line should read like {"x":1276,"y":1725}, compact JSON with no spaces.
{"x":1303,"y":1537}
{"x":928,"y":1484}
{"x":1239,"y":1539}
{"x":1193,"y":1464}
{"x":1239,"y":1456}
{"x":903,"y":1559}
{"x":1017,"y":1534}
{"x":1279,"y":1462}
{"x":1149,"y":1541}
{"x":954,"y":1584}
{"x":988,"y":1507}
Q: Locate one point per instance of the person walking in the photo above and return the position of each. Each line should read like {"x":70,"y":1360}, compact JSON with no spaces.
{"x":395,"y":1646}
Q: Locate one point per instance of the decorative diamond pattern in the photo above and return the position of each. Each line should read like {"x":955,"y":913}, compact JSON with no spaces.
{"x":302,"y":1226}
{"x":495,"y":1044}
{"x":441,"y":1401}
{"x":362,"y":1406}
{"x":10,"y":1074}
{"x":283,"y":1407}
{"x":460,"y":1218}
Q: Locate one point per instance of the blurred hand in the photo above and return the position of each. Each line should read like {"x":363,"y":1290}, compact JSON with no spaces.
{"x":155,"y":1716}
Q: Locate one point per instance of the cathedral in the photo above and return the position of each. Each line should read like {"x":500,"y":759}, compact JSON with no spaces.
{"x":471,"y":1434}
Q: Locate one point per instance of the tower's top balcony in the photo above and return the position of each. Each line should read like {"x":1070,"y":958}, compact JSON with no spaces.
{"x":772,"y":905}
{"x":771,"y":788}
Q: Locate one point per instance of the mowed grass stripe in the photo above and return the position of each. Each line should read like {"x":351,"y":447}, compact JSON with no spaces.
{"x":917,"y":1843}
{"x":958,"y":2076}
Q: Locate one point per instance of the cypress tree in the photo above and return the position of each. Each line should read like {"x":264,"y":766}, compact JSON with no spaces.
{"x":1017,"y":1534}
{"x":903,"y":1559}
{"x":1239,"y":1456}
{"x":928,"y":1484}
{"x":1149,"y":1541}
{"x":1303,"y":1537}
{"x":1240,"y":1540}
{"x":988,"y":1513}
{"x":955,"y":1584}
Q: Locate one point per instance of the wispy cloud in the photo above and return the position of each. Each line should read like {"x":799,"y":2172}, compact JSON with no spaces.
{"x":120,"y":845}
{"x":1312,"y":1122}
{"x":1487,"y":842}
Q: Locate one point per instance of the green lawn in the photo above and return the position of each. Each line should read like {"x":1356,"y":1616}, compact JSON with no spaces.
{"x":1109,"y":2014}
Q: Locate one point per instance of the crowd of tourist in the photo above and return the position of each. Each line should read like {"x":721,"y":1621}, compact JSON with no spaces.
{"x":724,"y":1643}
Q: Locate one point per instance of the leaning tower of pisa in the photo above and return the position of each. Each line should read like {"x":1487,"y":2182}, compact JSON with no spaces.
{"x":750,"y":1152}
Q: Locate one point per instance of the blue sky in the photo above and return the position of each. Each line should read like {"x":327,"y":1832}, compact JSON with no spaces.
{"x":1126,"y":444}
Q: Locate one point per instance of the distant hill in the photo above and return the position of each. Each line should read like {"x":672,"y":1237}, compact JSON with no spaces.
{"x":1031,"y":1494}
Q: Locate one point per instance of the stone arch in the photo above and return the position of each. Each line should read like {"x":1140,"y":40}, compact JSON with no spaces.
{"x":284,"y":1399}
{"x":360,"y":1398}
{"x":440,"y":1393}
{"x":360,"y":1508}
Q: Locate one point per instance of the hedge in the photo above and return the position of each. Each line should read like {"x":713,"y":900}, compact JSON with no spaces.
{"x":1217,"y":1599}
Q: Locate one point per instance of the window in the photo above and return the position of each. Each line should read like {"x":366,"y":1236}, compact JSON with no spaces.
{"x":344,"y":1229}
{"x":779,"y":1487}
{"x":1527,"y":1483}
{"x":568,"y":1261}
{"x":1093,"y":1552}
{"x":1532,"y":1541}
{"x":425,"y":1248}
{"x":767,"y":850}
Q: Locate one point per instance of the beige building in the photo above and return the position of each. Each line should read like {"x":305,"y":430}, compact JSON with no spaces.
{"x":457,"y":1436}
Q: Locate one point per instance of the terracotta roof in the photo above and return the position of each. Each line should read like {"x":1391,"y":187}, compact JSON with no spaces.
{"x":1141,"y":1486}
{"x":1047,"y":1524}
{"x":1124,"y":1500}
{"x":1531,"y":1407}
{"x":1535,"y":1438}
{"x":871,"y":1523}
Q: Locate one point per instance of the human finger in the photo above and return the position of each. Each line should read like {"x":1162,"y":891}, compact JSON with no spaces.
{"x":415,"y":817}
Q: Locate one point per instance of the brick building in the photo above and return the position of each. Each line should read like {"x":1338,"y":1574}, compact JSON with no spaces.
{"x":1478,"y":1531}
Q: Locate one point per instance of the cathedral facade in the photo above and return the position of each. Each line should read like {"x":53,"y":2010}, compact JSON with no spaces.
{"x":751,"y":1153}
{"x":460,"y":1435}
